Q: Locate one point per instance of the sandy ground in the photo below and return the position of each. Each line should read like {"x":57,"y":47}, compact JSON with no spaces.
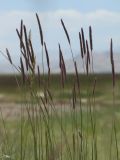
{"x":10,"y":110}
{"x":13,"y":110}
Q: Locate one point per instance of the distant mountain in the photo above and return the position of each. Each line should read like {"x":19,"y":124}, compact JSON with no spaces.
{"x":101,"y":63}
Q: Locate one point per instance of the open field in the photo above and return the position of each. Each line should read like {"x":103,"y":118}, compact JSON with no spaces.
{"x":10,"y":92}
{"x":104,"y":117}
{"x":103,"y":113}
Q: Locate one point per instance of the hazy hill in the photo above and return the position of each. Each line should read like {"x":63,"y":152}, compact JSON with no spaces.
{"x":101,"y":63}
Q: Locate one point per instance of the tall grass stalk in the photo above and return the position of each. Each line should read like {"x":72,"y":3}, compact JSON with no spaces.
{"x":47,"y":131}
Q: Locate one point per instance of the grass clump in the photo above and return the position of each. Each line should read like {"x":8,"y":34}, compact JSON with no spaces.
{"x":67,"y":124}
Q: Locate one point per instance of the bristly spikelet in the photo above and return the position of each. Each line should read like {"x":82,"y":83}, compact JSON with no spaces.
{"x":47,"y":56}
{"x":83,"y":40}
{"x":32,"y":59}
{"x":112,"y":62}
{"x":67,"y":35}
{"x":81,"y":45}
{"x":9,"y":57}
{"x":40,"y":29}
{"x":90,"y":37}
{"x":48,"y":62}
{"x":88,"y":58}
{"x":22,"y":46}
{"x":60,"y":56}
{"x":62,"y":67}
{"x":26,"y":43}
{"x":21,"y":33}
{"x":111,"y":51}
{"x":88,"y":53}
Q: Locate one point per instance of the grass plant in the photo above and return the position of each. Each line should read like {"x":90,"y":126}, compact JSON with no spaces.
{"x":59,"y":125}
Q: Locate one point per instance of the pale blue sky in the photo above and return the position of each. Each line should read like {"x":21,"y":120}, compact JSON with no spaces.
{"x":102,"y":15}
{"x":45,"y":5}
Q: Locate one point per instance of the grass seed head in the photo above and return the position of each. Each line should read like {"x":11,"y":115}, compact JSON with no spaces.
{"x":83,"y":40}
{"x":40,"y":29}
{"x":88,"y":53}
{"x":66,"y":32}
{"x":81,"y":45}
{"x":47,"y":56}
{"x":112,"y":62}
{"x":9,"y":57}
{"x":90,"y":37}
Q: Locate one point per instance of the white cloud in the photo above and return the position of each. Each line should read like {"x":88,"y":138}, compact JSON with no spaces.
{"x":73,"y":19}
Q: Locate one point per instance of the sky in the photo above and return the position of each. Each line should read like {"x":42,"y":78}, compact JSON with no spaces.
{"x":47,"y":5}
{"x":103,"y":16}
